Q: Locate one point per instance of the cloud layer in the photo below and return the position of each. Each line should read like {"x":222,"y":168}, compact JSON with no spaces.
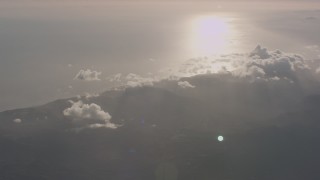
{"x":259,"y":65}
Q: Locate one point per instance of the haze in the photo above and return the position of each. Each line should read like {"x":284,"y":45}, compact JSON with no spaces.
{"x":159,"y":90}
{"x":40,"y":39}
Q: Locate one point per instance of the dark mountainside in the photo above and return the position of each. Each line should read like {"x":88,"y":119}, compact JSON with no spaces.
{"x":169,"y":133}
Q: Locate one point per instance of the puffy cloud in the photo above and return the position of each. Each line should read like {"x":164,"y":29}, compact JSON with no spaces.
{"x":17,"y":121}
{"x":78,"y":110}
{"x":91,"y":114}
{"x":251,"y":71}
{"x":261,"y":53}
{"x":88,"y":75}
{"x":270,"y":64}
{"x":260,"y":64}
{"x":185,"y":84}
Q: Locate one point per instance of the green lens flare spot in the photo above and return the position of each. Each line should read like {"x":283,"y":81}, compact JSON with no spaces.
{"x":220,"y":138}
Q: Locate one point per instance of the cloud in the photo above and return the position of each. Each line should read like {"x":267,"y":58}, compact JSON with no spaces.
{"x":89,"y":96}
{"x":78,"y":110}
{"x":131,"y":80}
{"x":281,"y":69}
{"x":261,"y":53}
{"x":185,"y":84}
{"x":318,"y":70}
{"x":106,"y":125}
{"x":271,"y":64}
{"x":115,"y":78}
{"x":90,"y":114}
{"x":250,"y":71}
{"x":260,"y":64}
{"x":88,"y":75}
{"x":315,"y":48}
{"x":134,"y":80}
{"x":17,"y":121}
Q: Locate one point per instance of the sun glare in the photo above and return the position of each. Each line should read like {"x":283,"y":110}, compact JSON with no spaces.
{"x":210,"y":35}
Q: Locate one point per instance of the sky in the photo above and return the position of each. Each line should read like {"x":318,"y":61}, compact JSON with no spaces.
{"x":48,"y":49}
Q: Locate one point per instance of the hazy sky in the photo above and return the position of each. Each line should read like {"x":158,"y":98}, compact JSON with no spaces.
{"x":44,"y":45}
{"x":159,"y":90}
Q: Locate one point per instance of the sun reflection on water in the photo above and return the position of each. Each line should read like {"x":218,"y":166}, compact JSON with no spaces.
{"x":211,"y":35}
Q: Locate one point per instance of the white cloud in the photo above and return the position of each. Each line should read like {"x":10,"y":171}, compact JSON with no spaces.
{"x":131,"y":80}
{"x":132,"y":76}
{"x":92,"y":114}
{"x":270,"y":64}
{"x":134,"y":80}
{"x":78,"y":110}
{"x":260,"y":64}
{"x":275,"y":78}
{"x":318,"y":70}
{"x":88,"y":75}
{"x":106,"y":125}
{"x":17,"y":120}
{"x":185,"y":84}
{"x":133,"y":84}
{"x":89,"y":96}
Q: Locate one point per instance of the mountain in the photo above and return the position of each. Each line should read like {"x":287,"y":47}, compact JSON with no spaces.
{"x":167,"y":132}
